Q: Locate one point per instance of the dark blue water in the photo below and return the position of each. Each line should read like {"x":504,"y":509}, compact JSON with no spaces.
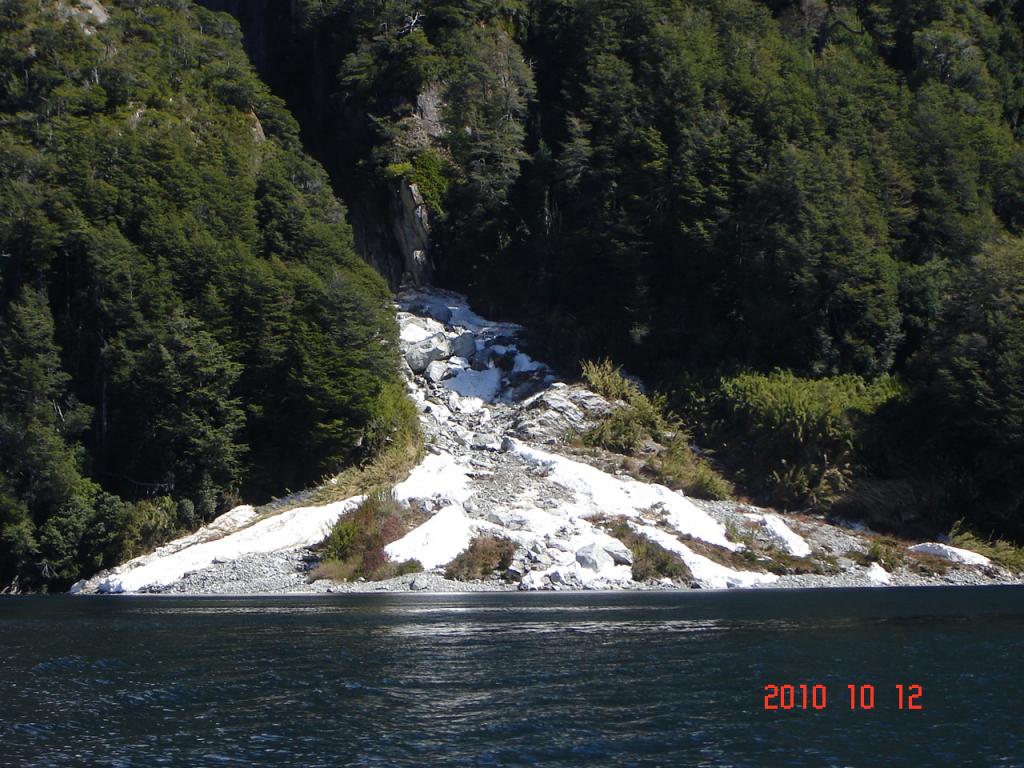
{"x":512,"y":680}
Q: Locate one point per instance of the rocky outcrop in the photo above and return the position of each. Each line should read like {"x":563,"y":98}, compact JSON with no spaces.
{"x":410,"y":224}
{"x":429,"y":103}
{"x":88,"y":13}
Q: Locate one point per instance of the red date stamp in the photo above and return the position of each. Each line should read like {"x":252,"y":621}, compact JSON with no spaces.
{"x":858,"y":697}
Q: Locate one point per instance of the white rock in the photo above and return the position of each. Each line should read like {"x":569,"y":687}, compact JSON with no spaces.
{"x":878,"y":574}
{"x":619,"y":552}
{"x":422,"y":353}
{"x":439,"y":477}
{"x":289,"y":530}
{"x":482,"y":385}
{"x":534,"y":580}
{"x":783,"y":536}
{"x":438,"y":541}
{"x":594,"y":557}
{"x":598,"y":493}
{"x":413,"y":329}
{"x":953,"y":554}
{"x":707,"y":573}
{"x":436,"y":371}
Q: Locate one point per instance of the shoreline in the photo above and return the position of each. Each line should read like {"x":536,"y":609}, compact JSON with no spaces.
{"x":403,"y":586}
{"x":514,"y":591}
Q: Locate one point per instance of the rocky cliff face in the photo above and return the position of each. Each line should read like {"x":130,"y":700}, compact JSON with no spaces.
{"x":410,"y":224}
{"x":391,"y":229}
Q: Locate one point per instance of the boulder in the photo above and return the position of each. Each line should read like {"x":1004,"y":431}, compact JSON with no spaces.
{"x":485,"y":441}
{"x":480,"y":360}
{"x":413,"y":328}
{"x":437,"y":371}
{"x":619,"y":553}
{"x":534,"y":580}
{"x":952,"y":554}
{"x":420,"y":582}
{"x":464,"y":344}
{"x":422,"y":353}
{"x":548,"y":416}
{"x":593,"y":557}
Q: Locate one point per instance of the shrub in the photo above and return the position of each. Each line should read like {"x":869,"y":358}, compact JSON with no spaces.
{"x":430,"y":172}
{"x":679,"y":467}
{"x":798,"y":439}
{"x":484,"y":556}
{"x":641,"y":419}
{"x":888,"y":553}
{"x":355,"y":545}
{"x":653,"y":561}
{"x":605,"y":378}
{"x":650,"y":560}
{"x":336,"y":570}
{"x":1000,"y":552}
{"x":621,"y":431}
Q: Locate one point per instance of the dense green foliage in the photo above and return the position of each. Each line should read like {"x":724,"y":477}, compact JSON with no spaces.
{"x":182,"y":316}
{"x":797,"y":439}
{"x":831,"y":187}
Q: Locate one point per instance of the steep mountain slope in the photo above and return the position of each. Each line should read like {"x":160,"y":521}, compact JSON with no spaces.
{"x":698,"y":189}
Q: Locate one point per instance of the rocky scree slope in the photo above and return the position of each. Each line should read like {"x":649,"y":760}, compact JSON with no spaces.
{"x":497,"y":464}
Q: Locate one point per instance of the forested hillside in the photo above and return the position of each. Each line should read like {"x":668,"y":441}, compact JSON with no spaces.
{"x":183,"y":319}
{"x":710,"y":190}
{"x":799,"y":220}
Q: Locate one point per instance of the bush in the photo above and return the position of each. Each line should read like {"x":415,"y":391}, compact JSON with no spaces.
{"x":484,"y":556}
{"x":798,"y":439}
{"x":679,"y":467}
{"x":639,"y":420}
{"x":650,"y":560}
{"x":622,"y":431}
{"x":1000,"y":552}
{"x":355,"y":545}
{"x":605,"y":378}
{"x":430,"y":172}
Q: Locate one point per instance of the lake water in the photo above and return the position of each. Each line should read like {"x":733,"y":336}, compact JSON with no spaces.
{"x":623,"y":679}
